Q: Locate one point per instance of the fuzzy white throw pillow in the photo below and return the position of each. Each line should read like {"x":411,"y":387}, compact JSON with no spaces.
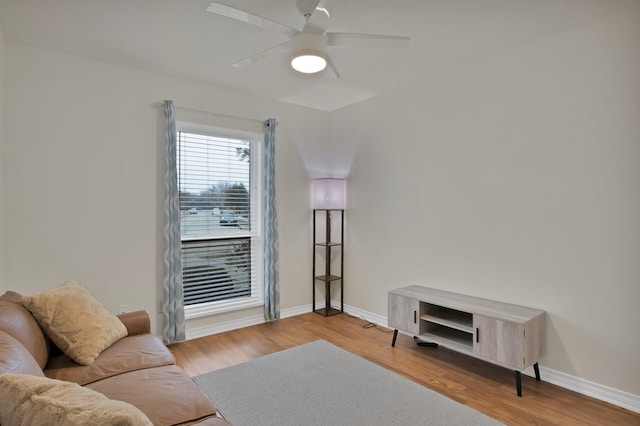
{"x":32,"y":400}
{"x":75,"y":321}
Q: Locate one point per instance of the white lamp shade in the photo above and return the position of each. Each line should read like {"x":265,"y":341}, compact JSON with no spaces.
{"x":329,"y":194}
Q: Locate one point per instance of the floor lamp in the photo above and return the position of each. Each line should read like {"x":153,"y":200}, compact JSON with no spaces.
{"x":328,"y":197}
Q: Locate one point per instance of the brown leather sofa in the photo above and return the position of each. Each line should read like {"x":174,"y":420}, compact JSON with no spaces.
{"x":137,"y":369}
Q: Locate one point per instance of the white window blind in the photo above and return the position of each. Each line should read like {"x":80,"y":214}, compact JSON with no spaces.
{"x":219,"y":184}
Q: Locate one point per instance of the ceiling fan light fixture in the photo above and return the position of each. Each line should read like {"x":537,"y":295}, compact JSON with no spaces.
{"x":308,"y":61}
{"x":309,"y":52}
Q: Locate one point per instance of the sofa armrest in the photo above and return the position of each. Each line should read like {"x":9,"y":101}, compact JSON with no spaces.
{"x":137,"y":322}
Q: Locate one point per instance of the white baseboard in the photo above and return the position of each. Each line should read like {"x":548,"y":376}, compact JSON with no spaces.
{"x":586,"y":387}
{"x":367,"y":316}
{"x":564,"y":380}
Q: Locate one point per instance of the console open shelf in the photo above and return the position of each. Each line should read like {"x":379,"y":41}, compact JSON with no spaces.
{"x":452,"y":318}
{"x":449,"y":337}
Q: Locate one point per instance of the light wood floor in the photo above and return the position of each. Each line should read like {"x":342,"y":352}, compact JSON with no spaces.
{"x":480,"y":385}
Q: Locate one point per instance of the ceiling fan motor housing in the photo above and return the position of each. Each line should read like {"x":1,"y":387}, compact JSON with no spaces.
{"x":306,"y":7}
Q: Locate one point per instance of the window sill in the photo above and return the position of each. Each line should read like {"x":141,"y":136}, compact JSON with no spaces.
{"x":214,"y":308}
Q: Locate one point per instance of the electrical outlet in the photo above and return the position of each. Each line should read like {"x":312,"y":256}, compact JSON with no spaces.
{"x":122,"y":309}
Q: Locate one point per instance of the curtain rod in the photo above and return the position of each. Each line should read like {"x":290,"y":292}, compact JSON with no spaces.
{"x":217,"y":114}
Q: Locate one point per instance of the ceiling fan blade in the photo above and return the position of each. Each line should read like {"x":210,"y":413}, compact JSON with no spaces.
{"x":332,"y":66}
{"x":367,"y":40}
{"x":318,"y":21}
{"x":260,"y":56}
{"x":241,"y":15}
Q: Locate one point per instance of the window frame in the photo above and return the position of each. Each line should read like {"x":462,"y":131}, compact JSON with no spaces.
{"x":256,"y":233}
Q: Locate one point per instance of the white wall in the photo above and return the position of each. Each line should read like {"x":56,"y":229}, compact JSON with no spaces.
{"x":2,"y":72}
{"x":83,"y":155}
{"x":516,"y":178}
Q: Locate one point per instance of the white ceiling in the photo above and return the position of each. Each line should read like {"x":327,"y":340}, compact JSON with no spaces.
{"x":179,"y":38}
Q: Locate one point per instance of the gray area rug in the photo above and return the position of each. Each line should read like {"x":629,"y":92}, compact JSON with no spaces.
{"x":321,"y":384}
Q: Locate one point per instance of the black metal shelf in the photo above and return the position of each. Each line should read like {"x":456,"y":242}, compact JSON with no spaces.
{"x":328,"y":278}
{"x":329,"y":312}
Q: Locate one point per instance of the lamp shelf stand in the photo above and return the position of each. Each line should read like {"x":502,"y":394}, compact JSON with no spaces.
{"x":329,"y":247}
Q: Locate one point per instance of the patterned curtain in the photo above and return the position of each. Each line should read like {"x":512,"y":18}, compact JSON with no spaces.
{"x":271,"y":284}
{"x":172,"y":301}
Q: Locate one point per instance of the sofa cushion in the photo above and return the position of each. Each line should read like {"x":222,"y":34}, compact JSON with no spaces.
{"x":127,"y":354}
{"x":31,"y":400}
{"x":19,"y":323}
{"x":165,"y":394}
{"x":75,"y":321}
{"x":15,"y":358}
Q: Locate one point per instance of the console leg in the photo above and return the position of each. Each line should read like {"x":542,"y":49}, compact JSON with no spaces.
{"x":395,"y":335}
{"x":518,"y":383}
{"x":537,"y":370}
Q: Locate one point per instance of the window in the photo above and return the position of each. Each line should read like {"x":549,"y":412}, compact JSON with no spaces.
{"x":219,"y":180}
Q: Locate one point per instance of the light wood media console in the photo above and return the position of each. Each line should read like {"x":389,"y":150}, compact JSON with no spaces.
{"x":501,"y":333}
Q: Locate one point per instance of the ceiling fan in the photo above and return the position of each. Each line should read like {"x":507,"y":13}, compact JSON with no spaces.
{"x":308,"y":46}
